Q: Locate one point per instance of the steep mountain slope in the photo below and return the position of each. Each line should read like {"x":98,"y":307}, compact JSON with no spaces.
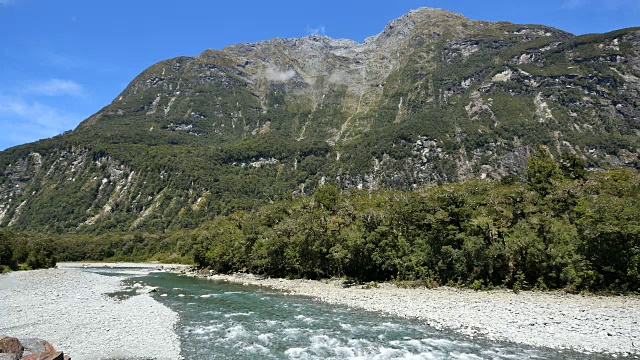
{"x":434,"y":98}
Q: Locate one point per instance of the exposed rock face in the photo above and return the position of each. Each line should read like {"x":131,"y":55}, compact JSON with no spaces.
{"x":434,"y":98}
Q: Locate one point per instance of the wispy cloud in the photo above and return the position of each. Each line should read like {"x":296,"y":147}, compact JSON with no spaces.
{"x":318,"y":30}
{"x":23,"y":121}
{"x":35,"y":111}
{"x":274,"y":74}
{"x":55,"y":87}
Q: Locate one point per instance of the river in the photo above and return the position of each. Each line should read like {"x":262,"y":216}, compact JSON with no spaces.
{"x":219,"y":320}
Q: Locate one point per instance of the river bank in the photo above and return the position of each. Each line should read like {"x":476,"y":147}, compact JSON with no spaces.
{"x":556,"y":320}
{"x":123,"y":265}
{"x":69,"y":307}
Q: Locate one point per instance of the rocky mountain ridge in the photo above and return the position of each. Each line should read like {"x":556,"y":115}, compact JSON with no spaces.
{"x":434,"y":98}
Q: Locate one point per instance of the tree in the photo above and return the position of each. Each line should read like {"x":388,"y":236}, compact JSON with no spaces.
{"x":542,"y":170}
{"x":6,"y":252}
{"x":40,"y":255}
{"x":327,"y":196}
{"x":573,"y":167}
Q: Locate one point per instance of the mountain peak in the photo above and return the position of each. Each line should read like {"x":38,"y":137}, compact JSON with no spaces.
{"x":430,"y":10}
{"x":430,"y":14}
{"x":432,"y":20}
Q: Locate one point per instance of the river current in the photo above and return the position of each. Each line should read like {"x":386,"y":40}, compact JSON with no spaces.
{"x":220,"y":320}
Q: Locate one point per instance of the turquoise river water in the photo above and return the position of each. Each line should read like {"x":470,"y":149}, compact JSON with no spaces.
{"x":219,"y":320}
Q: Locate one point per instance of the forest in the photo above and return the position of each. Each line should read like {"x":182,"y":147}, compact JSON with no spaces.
{"x":558,"y":226}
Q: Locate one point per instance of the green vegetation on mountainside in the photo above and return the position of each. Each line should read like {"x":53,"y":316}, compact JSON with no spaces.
{"x":564,"y":228}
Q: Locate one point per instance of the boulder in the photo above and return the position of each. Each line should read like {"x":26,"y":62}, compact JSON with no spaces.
{"x":38,"y":349}
{"x":28,"y":349}
{"x":34,"y":346}
{"x":53,"y":355}
{"x":11,"y":345}
{"x":8,"y":356}
{"x":146,"y":290}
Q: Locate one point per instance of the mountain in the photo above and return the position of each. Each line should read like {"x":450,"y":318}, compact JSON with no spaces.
{"x":434,"y":98}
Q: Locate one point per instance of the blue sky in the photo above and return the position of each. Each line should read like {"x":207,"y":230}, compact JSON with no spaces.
{"x":61,"y":61}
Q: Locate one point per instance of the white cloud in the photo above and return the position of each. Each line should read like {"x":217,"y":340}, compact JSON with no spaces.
{"x":55,"y":87}
{"x":274,"y":74}
{"x":23,"y":121}
{"x":318,"y":30}
{"x":29,"y":113}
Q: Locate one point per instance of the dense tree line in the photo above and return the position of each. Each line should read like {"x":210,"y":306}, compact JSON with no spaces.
{"x":36,"y":251}
{"x":25,"y":252}
{"x":559,"y":227}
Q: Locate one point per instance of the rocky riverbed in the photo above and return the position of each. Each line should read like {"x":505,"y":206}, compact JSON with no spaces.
{"x":69,"y":307}
{"x":557,"y":320}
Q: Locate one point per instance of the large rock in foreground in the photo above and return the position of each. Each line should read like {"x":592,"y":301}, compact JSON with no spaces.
{"x":28,"y":349}
{"x":11,"y":345}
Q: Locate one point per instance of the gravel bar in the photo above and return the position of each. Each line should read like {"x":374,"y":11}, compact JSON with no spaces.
{"x":69,"y":308}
